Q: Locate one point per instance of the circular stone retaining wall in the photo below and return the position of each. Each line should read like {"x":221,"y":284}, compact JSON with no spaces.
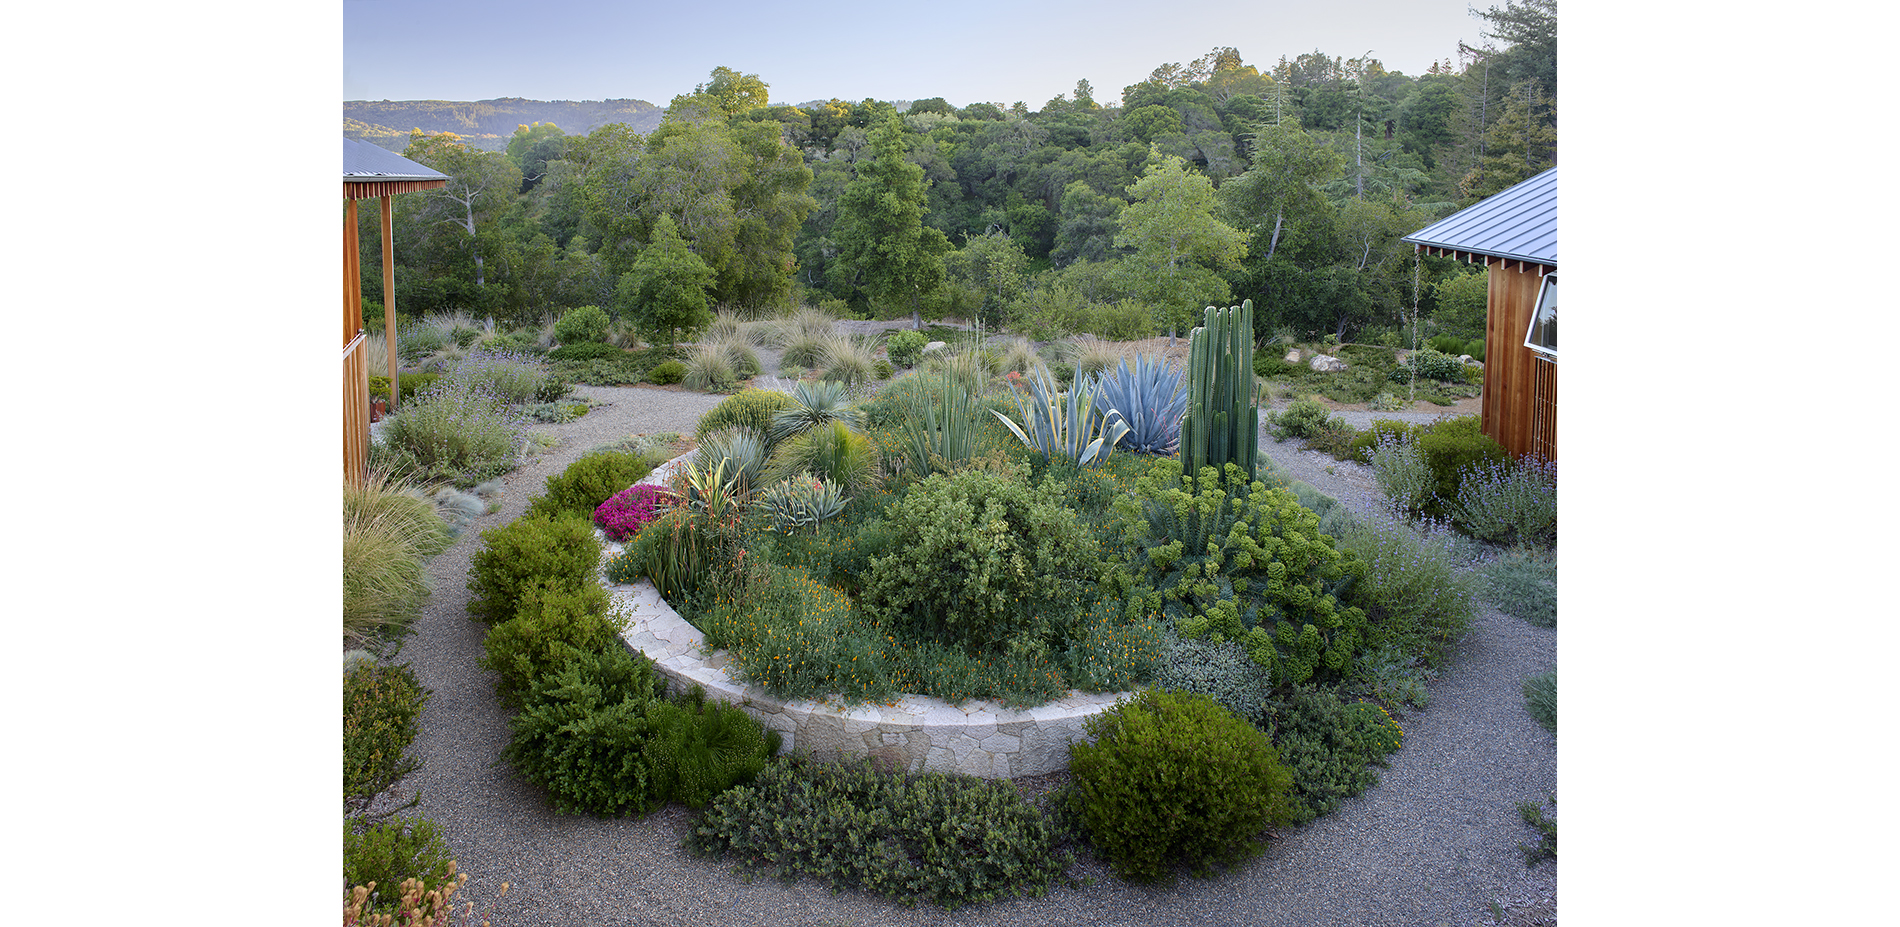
{"x":918,"y":734}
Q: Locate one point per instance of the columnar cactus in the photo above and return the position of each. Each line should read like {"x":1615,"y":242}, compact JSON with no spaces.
{"x":1223,"y":420}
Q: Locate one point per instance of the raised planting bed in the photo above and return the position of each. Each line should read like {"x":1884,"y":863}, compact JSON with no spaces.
{"x":915,"y":734}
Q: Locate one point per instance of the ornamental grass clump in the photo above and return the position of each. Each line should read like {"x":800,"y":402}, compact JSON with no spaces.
{"x":1172,"y":778}
{"x":388,"y":532}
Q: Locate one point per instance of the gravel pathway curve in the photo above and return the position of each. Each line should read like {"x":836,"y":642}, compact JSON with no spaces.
{"x":1434,"y":843}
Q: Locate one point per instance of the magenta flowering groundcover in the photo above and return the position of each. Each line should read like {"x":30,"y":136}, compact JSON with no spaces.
{"x":622,"y":515}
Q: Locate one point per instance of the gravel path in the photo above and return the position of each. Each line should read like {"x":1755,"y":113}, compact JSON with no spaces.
{"x":1434,"y":843}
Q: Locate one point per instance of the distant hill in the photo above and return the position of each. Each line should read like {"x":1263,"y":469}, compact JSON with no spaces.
{"x":487,"y":124}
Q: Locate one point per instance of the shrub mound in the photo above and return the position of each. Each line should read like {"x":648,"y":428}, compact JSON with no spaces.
{"x":948,"y":840}
{"x":1173,"y":778}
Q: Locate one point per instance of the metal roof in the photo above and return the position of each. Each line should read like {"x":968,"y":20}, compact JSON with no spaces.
{"x":364,"y":161}
{"x":1517,"y":223}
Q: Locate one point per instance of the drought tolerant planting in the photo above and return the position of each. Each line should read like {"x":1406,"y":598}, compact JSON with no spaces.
{"x":972,"y":531}
{"x":996,"y":542}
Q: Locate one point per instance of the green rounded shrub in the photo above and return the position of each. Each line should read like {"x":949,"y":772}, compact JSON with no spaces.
{"x":982,"y":561}
{"x":589,"y":481}
{"x":752,"y":408}
{"x":582,"y":323}
{"x":583,"y":734}
{"x":905,"y":347}
{"x":1173,"y":778}
{"x":551,"y":624}
{"x":1301,"y":419}
{"x":1452,"y":448}
{"x":667,"y":373}
{"x":381,"y":705}
{"x":388,"y":852}
{"x":531,"y":550}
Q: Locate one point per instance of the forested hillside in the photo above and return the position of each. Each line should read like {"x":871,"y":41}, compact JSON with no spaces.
{"x":1288,"y":183}
{"x":486,"y":124}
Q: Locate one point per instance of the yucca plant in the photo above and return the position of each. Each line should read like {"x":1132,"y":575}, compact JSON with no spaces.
{"x":939,"y":427}
{"x":744,"y":452}
{"x":1073,"y":428}
{"x":1150,"y":400}
{"x":819,"y":402}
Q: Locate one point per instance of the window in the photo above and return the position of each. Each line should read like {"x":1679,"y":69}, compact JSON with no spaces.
{"x":1542,"y":336}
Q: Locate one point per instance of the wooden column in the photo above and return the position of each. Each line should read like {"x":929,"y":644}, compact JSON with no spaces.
{"x":389,"y":299}
{"x":352,"y":275}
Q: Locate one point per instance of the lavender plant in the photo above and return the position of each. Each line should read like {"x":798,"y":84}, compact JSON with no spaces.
{"x":455,"y":431}
{"x":514,"y":378}
{"x":1402,"y":473}
{"x":1509,"y":503}
{"x":1416,"y":591}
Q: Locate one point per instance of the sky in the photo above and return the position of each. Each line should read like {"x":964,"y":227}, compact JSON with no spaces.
{"x":965,"y":52}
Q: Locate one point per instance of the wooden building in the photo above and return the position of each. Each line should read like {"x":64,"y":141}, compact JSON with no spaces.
{"x":1514,"y":234}
{"x":369,"y":172}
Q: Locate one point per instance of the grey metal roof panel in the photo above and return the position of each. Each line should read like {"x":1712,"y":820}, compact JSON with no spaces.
{"x":365,"y":161}
{"x":1519,"y":222}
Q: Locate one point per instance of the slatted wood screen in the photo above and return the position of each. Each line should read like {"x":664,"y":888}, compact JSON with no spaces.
{"x":1544,"y":408}
{"x":356,"y":410}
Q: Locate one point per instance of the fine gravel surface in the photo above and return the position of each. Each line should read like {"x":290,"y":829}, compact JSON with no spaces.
{"x":1435,"y":843}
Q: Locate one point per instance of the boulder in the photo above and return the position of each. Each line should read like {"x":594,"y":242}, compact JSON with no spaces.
{"x":1326,"y":363}
{"x":934,"y":346}
{"x":1293,"y":356}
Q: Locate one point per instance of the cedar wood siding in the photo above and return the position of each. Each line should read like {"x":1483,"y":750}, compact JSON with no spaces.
{"x":1520,"y":385}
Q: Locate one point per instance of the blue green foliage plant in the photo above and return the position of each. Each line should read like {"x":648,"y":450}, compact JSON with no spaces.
{"x":1067,"y":427}
{"x":1151,"y":400}
{"x":1228,"y":558}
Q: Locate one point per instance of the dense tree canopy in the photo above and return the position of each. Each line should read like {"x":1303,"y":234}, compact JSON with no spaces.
{"x":1207,"y":182}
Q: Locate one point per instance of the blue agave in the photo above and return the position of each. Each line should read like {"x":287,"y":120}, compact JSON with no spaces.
{"x":1150,"y":400}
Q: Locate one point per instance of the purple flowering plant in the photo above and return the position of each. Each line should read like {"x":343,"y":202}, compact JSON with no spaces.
{"x":625,"y":512}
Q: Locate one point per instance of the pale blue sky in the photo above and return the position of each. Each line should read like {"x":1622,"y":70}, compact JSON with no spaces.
{"x":979,"y":50}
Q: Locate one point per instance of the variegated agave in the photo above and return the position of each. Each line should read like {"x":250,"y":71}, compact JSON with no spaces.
{"x":801,"y":501}
{"x":1067,"y":425}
